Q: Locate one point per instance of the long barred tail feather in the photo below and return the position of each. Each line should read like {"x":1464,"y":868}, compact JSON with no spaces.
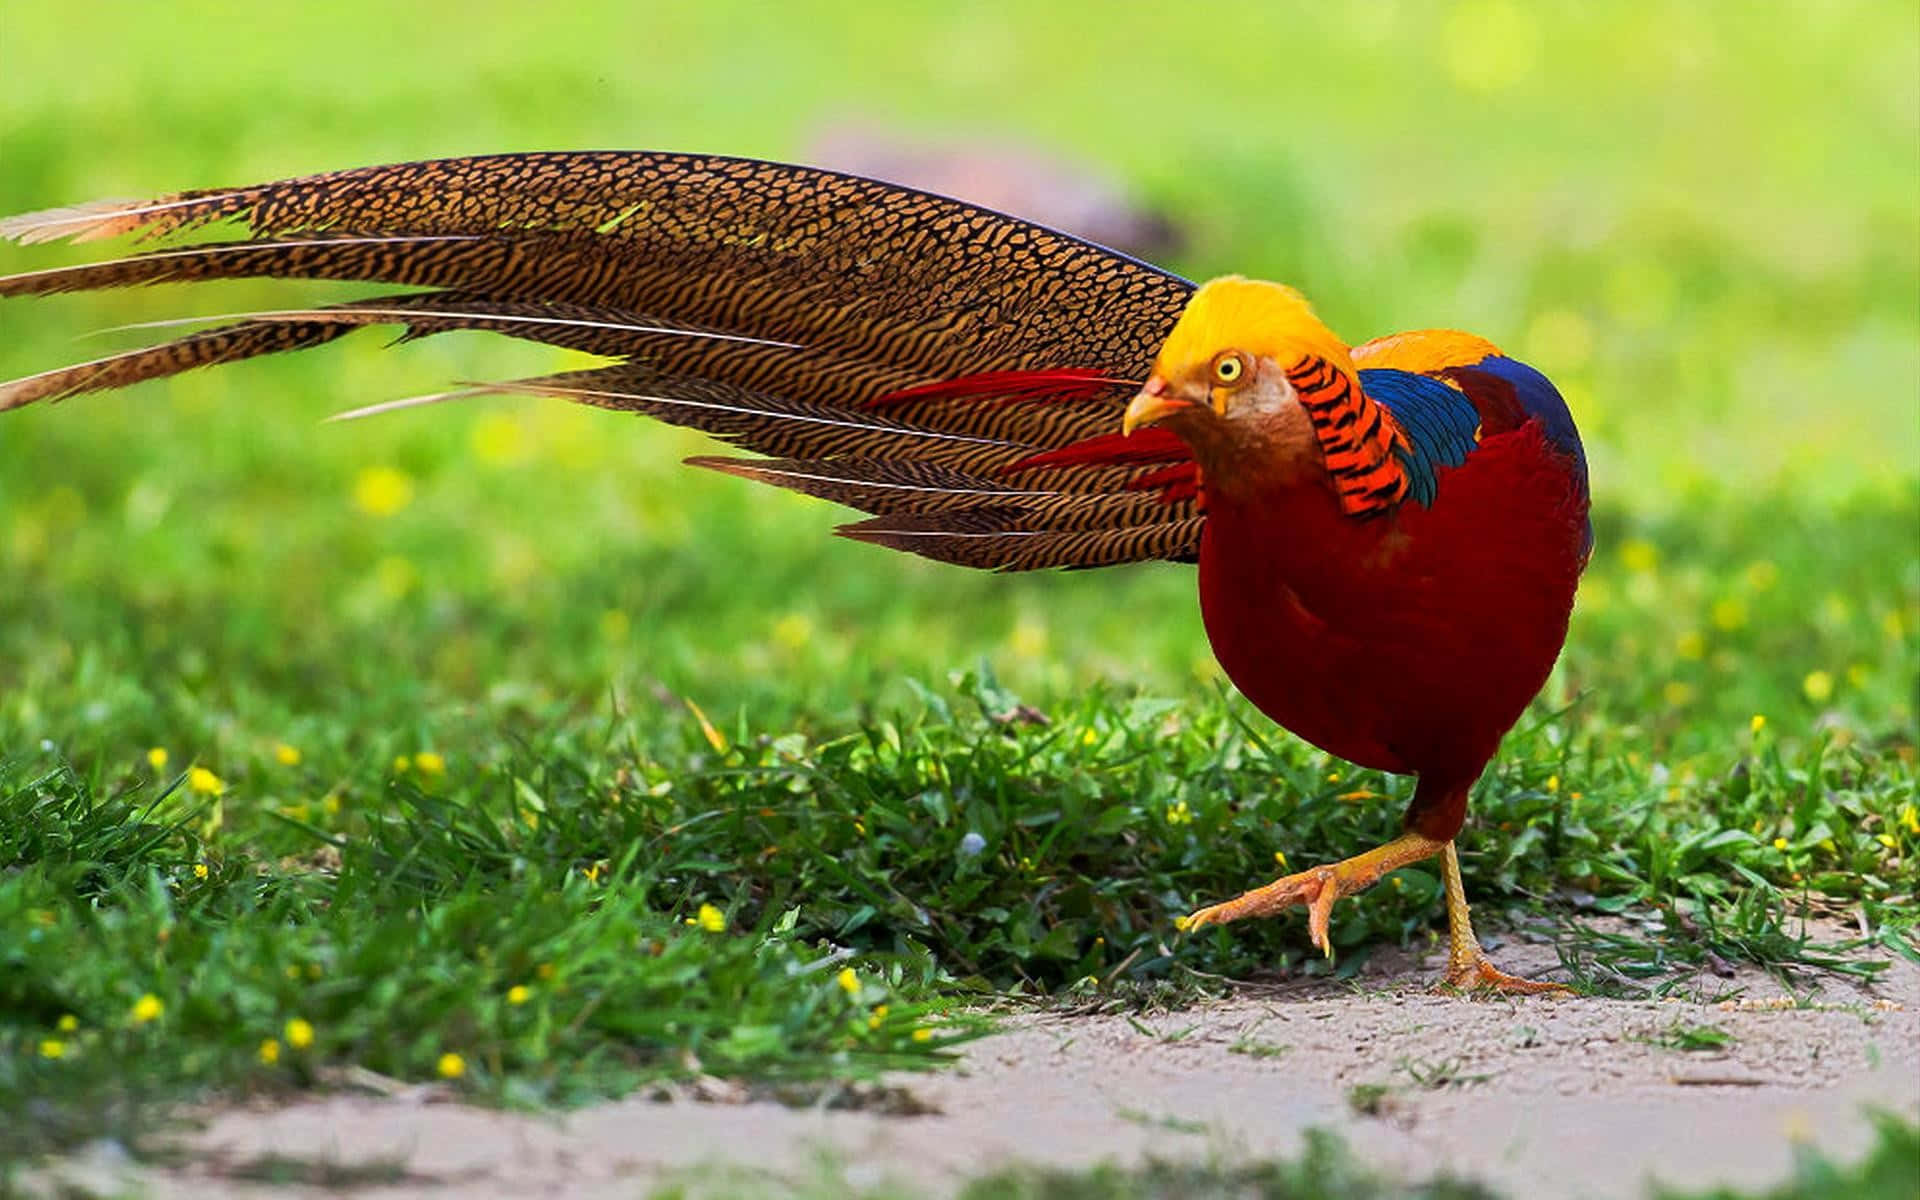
{"x":954,"y":371}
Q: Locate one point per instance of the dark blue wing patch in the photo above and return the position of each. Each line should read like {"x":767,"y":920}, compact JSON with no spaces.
{"x":1438,"y":420}
{"x":1542,"y":401}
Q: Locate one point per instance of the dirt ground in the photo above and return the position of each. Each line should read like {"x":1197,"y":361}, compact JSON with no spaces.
{"x":1542,"y":1097}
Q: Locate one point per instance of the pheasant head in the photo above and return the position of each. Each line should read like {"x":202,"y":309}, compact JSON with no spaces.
{"x":1265,"y":394}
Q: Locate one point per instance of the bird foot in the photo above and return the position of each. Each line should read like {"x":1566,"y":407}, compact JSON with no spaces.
{"x":1317,"y":888}
{"x":1472,"y":973}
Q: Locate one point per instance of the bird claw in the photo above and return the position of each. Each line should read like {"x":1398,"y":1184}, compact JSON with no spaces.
{"x":1317,"y":888}
{"x":1474,"y":975}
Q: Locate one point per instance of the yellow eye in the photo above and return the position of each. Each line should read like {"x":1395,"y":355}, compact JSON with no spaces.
{"x":1229,"y":369}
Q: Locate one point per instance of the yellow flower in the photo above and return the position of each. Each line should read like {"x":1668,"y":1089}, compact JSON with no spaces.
{"x":1730,"y":614}
{"x":299,"y":1033}
{"x":1179,"y":814}
{"x":923,"y":1035}
{"x":199,"y":870}
{"x":1089,"y":737}
{"x":285,"y":755}
{"x":712,"y":919}
{"x":1180,"y":923}
{"x":1280,"y":856}
{"x":1910,"y":818}
{"x":518,"y":994}
{"x":402,"y":764}
{"x":157,"y":758}
{"x":205,"y":782}
{"x":496,"y":440}
{"x":147,"y":1008}
{"x":382,"y":491}
{"x":1691,"y":645}
{"x":1553,"y":783}
{"x":269,"y":1052}
{"x":1779,"y":843}
{"x":52,"y":1048}
{"x":429,"y":763}
{"x":1639,"y":555}
{"x":614,"y":625}
{"x":67,"y":1023}
{"x":848,"y":981}
{"x":877,"y":1017}
{"x":793,"y":631}
{"x":451,"y":1066}
{"x":1029,"y":638}
{"x":1758,"y":723}
{"x":1818,"y":685}
{"x":1887,"y":840}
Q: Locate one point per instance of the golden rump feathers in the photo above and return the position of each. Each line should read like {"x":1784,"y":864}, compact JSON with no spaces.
{"x":1425,"y":351}
{"x":1264,"y":319}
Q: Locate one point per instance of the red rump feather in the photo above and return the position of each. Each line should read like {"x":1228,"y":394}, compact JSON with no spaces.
{"x":1151,"y":445}
{"x":1178,"y":480}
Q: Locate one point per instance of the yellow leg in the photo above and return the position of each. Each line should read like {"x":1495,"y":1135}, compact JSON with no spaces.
{"x":1467,"y":967}
{"x":1319,"y":887}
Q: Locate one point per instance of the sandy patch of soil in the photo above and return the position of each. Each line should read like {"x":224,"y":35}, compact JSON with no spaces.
{"x":1543,"y":1097}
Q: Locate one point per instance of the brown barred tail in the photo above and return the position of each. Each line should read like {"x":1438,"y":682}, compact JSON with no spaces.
{"x":770,"y":305}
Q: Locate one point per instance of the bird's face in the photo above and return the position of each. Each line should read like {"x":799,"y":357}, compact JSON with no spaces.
{"x":1235,"y":410}
{"x":1231,"y":385}
{"x":1220,"y":383}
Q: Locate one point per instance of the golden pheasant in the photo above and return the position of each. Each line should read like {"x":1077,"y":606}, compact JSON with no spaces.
{"x":1388,"y":535}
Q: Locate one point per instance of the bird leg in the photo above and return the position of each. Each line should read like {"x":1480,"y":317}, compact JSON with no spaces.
{"x":1319,"y":887}
{"x":1467,"y":967}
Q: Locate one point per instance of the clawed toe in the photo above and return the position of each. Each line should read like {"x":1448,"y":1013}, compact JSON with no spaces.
{"x":1477,"y":976}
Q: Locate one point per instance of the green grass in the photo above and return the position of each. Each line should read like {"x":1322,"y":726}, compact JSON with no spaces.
{"x":1324,"y":1168}
{"x":640,"y":690}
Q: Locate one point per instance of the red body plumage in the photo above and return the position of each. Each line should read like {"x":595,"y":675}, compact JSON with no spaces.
{"x":1410,"y":642}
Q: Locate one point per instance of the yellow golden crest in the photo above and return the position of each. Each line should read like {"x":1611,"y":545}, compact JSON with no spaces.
{"x":1264,"y":319}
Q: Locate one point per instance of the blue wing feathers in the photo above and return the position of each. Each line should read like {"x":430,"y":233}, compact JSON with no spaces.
{"x":1438,"y":420}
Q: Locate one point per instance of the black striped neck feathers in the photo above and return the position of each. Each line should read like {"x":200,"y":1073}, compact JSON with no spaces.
{"x":1358,"y":437}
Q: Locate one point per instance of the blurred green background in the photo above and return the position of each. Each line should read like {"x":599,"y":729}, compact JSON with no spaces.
{"x":1702,"y":220}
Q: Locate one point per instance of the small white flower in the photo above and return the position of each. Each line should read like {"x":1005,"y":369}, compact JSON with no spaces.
{"x":971,"y":845}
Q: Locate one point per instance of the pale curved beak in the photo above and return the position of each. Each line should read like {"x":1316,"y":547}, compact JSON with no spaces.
{"x":1151,"y":405}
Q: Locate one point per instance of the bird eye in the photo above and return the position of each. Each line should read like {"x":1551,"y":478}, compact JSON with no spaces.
{"x":1229,"y":368}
